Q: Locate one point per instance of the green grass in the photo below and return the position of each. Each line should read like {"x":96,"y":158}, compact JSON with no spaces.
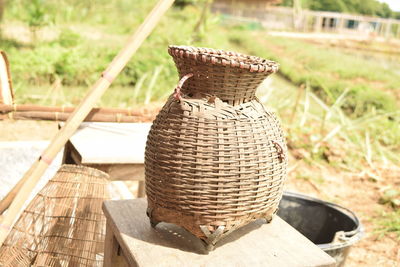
{"x":358,"y":103}
{"x":371,"y":84}
{"x":389,"y":222}
{"x":325,"y":134}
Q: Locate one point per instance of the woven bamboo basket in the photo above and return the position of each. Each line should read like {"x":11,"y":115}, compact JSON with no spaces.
{"x":215,"y":158}
{"x":63,"y":225}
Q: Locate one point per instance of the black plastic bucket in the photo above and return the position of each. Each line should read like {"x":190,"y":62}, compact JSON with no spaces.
{"x":331,"y":227}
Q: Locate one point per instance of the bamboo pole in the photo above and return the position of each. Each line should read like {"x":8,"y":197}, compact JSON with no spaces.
{"x":19,"y":108}
{"x":91,"y":117}
{"x":31,"y":178}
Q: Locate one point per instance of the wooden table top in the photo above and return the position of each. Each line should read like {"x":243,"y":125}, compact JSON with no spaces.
{"x":257,"y":244}
{"x":111,"y":143}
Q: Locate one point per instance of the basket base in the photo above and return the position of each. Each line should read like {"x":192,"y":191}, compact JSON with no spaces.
{"x":201,"y":231}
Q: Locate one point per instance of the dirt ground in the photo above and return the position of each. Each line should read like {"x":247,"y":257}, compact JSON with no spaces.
{"x":359,"y":193}
{"x":356,"y":191}
{"x":27,"y":130}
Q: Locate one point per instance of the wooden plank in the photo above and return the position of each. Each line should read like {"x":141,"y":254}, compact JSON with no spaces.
{"x":141,"y":189}
{"x":257,"y":244}
{"x":111,"y":249}
{"x":108,"y":143}
{"x":74,"y":155}
{"x":117,"y":172}
{"x":121,"y":172}
{"x":67,"y":158}
{"x":6,"y":92}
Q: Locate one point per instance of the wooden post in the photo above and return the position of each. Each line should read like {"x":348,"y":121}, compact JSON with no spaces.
{"x":305,"y":22}
{"x":141,"y":189}
{"x":388,"y":26}
{"x":30,"y":179}
{"x":318,"y":23}
{"x":398,"y":30}
{"x":341,"y":24}
{"x":6,"y":93}
{"x":112,"y":251}
{"x":378,"y":28}
{"x":298,"y":17}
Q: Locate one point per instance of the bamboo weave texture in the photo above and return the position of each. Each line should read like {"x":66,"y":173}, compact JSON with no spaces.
{"x":63,"y":225}
{"x":215,"y":156}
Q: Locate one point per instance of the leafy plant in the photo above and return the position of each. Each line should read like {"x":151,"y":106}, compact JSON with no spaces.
{"x":37,"y":16}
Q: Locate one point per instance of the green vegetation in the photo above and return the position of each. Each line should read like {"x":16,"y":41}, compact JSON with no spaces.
{"x":389,"y":222}
{"x":359,"y":94}
{"x":330,"y":72}
{"x":82,"y":37}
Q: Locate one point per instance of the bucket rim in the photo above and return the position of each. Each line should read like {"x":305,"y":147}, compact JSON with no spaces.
{"x":346,"y":238}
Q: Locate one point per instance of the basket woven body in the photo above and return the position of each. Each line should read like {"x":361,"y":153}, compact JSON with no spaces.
{"x":215,"y":157}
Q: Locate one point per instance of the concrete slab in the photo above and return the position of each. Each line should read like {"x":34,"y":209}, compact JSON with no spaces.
{"x":17,"y":157}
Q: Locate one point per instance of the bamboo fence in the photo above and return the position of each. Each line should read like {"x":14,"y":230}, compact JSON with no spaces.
{"x":24,"y":108}
{"x":35,"y":112}
{"x":59,"y":116}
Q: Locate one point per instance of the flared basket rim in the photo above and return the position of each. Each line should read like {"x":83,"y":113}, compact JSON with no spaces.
{"x":224,"y":58}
